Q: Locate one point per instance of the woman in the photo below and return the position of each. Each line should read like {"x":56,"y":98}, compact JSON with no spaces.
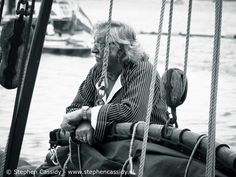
{"x":126,"y":98}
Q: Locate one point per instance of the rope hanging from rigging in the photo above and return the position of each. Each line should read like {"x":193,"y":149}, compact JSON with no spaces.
{"x":187,"y":37}
{"x":103,"y":82}
{"x":210,"y":159}
{"x":167,"y":87}
{"x":174,"y":84}
{"x":169,"y":34}
{"x":151,"y":93}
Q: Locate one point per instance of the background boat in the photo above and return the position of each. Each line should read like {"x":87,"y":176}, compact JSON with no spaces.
{"x":69,"y":28}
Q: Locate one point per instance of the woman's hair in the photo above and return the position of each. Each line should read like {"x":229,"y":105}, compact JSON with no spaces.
{"x":123,"y":35}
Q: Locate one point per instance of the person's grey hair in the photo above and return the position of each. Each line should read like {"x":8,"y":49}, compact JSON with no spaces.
{"x":123,"y":35}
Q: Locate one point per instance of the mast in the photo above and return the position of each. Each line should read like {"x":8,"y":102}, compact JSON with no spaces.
{"x":25,"y":91}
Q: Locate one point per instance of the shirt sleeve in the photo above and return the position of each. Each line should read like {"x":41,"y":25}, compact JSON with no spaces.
{"x":133,"y":105}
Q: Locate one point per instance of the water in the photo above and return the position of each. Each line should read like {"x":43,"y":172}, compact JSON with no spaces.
{"x":60,"y":76}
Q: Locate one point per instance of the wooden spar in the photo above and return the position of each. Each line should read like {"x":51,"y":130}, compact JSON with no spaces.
{"x":229,"y":36}
{"x":25,"y":91}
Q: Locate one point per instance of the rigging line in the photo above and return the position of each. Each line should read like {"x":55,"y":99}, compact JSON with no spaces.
{"x":210,"y":159}
{"x":169,"y":34}
{"x":106,"y":49}
{"x":192,"y":154}
{"x":187,"y":37}
{"x":131,"y":147}
{"x":151,"y":94}
{"x":129,"y":161}
{"x":1,"y":9}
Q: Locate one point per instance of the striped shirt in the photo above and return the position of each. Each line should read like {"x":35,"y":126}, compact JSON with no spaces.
{"x":129,"y":103}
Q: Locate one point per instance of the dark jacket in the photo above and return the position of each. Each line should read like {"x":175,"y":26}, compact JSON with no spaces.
{"x":129,"y":104}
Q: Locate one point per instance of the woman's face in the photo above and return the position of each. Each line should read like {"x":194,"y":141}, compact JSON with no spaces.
{"x":98,"y":50}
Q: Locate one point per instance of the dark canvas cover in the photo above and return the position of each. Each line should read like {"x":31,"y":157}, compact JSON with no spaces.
{"x":108,"y":158}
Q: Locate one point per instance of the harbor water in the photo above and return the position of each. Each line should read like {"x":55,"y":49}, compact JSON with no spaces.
{"x":59,"y":76}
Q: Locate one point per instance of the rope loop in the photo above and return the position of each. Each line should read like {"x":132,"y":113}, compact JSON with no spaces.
{"x":170,"y":121}
{"x":173,"y":120}
{"x":192,"y":154}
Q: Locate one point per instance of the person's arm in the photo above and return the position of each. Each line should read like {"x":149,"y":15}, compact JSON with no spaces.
{"x":84,"y":97}
{"x":133,"y":105}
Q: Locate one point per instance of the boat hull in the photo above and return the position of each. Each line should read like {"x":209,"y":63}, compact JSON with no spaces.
{"x":81,"y":52}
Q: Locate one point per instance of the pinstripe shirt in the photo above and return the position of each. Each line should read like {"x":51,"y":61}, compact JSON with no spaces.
{"x":129,"y":103}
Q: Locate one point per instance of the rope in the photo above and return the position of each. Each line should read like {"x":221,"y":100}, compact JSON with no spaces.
{"x":169,"y":34}
{"x":67,"y":160}
{"x":65,"y":165}
{"x":103,"y":80}
{"x":123,"y":168}
{"x":187,"y":37}
{"x":151,"y":94}
{"x":54,"y":160}
{"x":79,"y":160}
{"x":130,"y":158}
{"x":1,"y":9}
{"x":210,"y":160}
{"x":131,"y":148}
{"x":192,"y":154}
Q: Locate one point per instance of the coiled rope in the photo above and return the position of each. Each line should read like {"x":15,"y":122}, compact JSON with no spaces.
{"x":210,"y":159}
{"x":169,"y":34}
{"x":103,"y":82}
{"x":151,"y":94}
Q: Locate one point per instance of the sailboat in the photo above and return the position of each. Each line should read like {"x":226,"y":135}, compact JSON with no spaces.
{"x":170,"y":149}
{"x":68,"y":30}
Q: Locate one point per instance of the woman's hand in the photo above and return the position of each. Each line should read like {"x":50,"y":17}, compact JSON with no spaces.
{"x":84,"y":132}
{"x":71,"y":120}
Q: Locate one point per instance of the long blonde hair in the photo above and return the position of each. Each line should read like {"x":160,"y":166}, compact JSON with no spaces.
{"x":123,"y":35}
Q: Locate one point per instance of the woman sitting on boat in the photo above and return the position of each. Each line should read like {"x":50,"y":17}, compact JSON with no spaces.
{"x":129,"y":76}
{"x":90,"y":117}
